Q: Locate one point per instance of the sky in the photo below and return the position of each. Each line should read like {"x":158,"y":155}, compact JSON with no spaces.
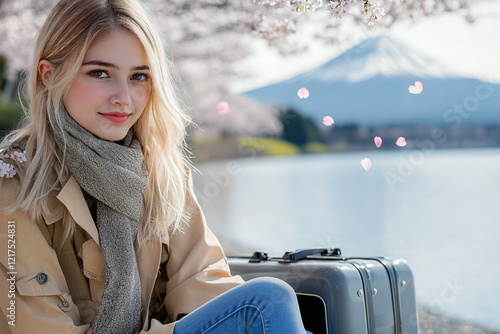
{"x":469,"y":49}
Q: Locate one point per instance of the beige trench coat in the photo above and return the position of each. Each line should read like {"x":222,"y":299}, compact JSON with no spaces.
{"x":51,"y":291}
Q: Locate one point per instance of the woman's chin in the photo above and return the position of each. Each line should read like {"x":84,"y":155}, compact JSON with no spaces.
{"x":111,"y":136}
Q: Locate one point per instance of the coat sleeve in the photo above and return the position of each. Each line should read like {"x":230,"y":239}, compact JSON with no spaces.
{"x":197,"y":268}
{"x":34,"y":295}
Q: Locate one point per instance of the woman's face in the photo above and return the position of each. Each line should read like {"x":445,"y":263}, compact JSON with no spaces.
{"x":112,"y":88}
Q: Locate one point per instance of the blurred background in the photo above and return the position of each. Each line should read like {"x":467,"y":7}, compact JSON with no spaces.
{"x":274,"y":177}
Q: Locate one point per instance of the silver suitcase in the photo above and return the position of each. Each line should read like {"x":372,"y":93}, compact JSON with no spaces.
{"x":342,"y":295}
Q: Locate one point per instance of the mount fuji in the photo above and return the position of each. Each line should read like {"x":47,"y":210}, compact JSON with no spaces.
{"x":368,"y":85}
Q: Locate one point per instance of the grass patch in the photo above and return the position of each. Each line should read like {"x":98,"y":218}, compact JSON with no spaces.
{"x":268,"y":146}
{"x":315,"y":147}
{"x":212,"y":148}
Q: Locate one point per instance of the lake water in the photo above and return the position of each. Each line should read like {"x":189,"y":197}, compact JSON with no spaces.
{"x":440,"y":210}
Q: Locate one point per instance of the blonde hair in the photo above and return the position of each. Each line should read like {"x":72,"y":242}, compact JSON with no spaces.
{"x":70,"y":29}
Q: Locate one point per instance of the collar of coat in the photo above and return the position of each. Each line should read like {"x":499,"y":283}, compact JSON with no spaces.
{"x":71,"y":197}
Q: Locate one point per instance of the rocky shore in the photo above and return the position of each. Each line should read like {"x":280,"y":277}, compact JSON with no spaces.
{"x":433,"y":323}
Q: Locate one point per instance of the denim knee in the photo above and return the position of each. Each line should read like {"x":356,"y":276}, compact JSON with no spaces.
{"x":261,"y":305}
{"x":275,"y":289}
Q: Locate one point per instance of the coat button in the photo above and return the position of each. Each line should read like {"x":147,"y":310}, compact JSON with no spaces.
{"x":42,"y":278}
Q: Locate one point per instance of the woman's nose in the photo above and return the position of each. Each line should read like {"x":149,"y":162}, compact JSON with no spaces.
{"x":121,"y":94}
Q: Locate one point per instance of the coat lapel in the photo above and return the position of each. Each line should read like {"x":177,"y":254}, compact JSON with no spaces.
{"x":148,"y":261}
{"x":71,"y":197}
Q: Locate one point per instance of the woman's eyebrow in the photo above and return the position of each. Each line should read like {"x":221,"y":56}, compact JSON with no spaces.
{"x":106,"y":64}
{"x":140,"y":68}
{"x":100,"y":63}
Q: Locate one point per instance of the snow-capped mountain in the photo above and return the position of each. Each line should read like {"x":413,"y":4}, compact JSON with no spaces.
{"x":381,"y":55}
{"x":368,"y":85}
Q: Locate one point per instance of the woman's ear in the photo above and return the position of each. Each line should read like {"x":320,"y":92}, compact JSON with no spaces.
{"x":45,"y":70}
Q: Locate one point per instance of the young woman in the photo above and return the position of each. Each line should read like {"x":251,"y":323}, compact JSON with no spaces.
{"x":100,"y":230}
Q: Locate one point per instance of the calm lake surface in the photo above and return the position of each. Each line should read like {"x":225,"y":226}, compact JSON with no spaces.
{"x":439,"y":210}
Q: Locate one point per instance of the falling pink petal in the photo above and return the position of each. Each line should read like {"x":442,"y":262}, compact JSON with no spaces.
{"x":378,"y":141}
{"x":416,"y":88}
{"x":222,"y":107}
{"x":401,"y":142}
{"x":366,"y":163}
{"x":303,"y":93}
{"x":328,"y":120}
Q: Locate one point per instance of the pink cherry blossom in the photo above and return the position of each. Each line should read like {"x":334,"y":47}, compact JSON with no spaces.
{"x":328,"y":120}
{"x":303,"y":93}
{"x":20,"y":156}
{"x":301,"y":6}
{"x":401,"y":142}
{"x":6,"y":170}
{"x":366,"y":163}
{"x":222,"y":107}
{"x":378,"y":141}
{"x":374,"y":13}
{"x":417,"y":88}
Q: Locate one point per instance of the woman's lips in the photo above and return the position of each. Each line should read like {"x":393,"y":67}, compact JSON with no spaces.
{"x":116,"y":117}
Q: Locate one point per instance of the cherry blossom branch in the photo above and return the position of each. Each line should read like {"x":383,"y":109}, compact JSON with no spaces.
{"x":339,"y":8}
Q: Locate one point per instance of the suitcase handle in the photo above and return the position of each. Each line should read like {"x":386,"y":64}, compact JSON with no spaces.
{"x":258,"y":257}
{"x":290,"y":257}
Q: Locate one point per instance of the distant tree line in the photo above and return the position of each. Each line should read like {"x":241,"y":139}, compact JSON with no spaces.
{"x":303,"y":132}
{"x":299,"y":129}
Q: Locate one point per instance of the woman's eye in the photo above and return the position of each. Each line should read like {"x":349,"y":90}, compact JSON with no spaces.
{"x":99,"y":74}
{"x":141,"y":77}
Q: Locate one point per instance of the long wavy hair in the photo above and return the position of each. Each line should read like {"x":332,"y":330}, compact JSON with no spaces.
{"x":70,"y":29}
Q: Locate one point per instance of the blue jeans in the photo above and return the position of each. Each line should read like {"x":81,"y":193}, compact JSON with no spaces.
{"x":259,"y":306}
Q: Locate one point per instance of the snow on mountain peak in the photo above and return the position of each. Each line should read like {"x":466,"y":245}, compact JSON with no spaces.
{"x":379,"y":56}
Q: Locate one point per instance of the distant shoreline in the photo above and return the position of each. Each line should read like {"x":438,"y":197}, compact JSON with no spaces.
{"x":233,"y":147}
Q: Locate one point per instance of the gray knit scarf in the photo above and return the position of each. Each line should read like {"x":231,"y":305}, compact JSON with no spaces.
{"x":114,"y":176}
